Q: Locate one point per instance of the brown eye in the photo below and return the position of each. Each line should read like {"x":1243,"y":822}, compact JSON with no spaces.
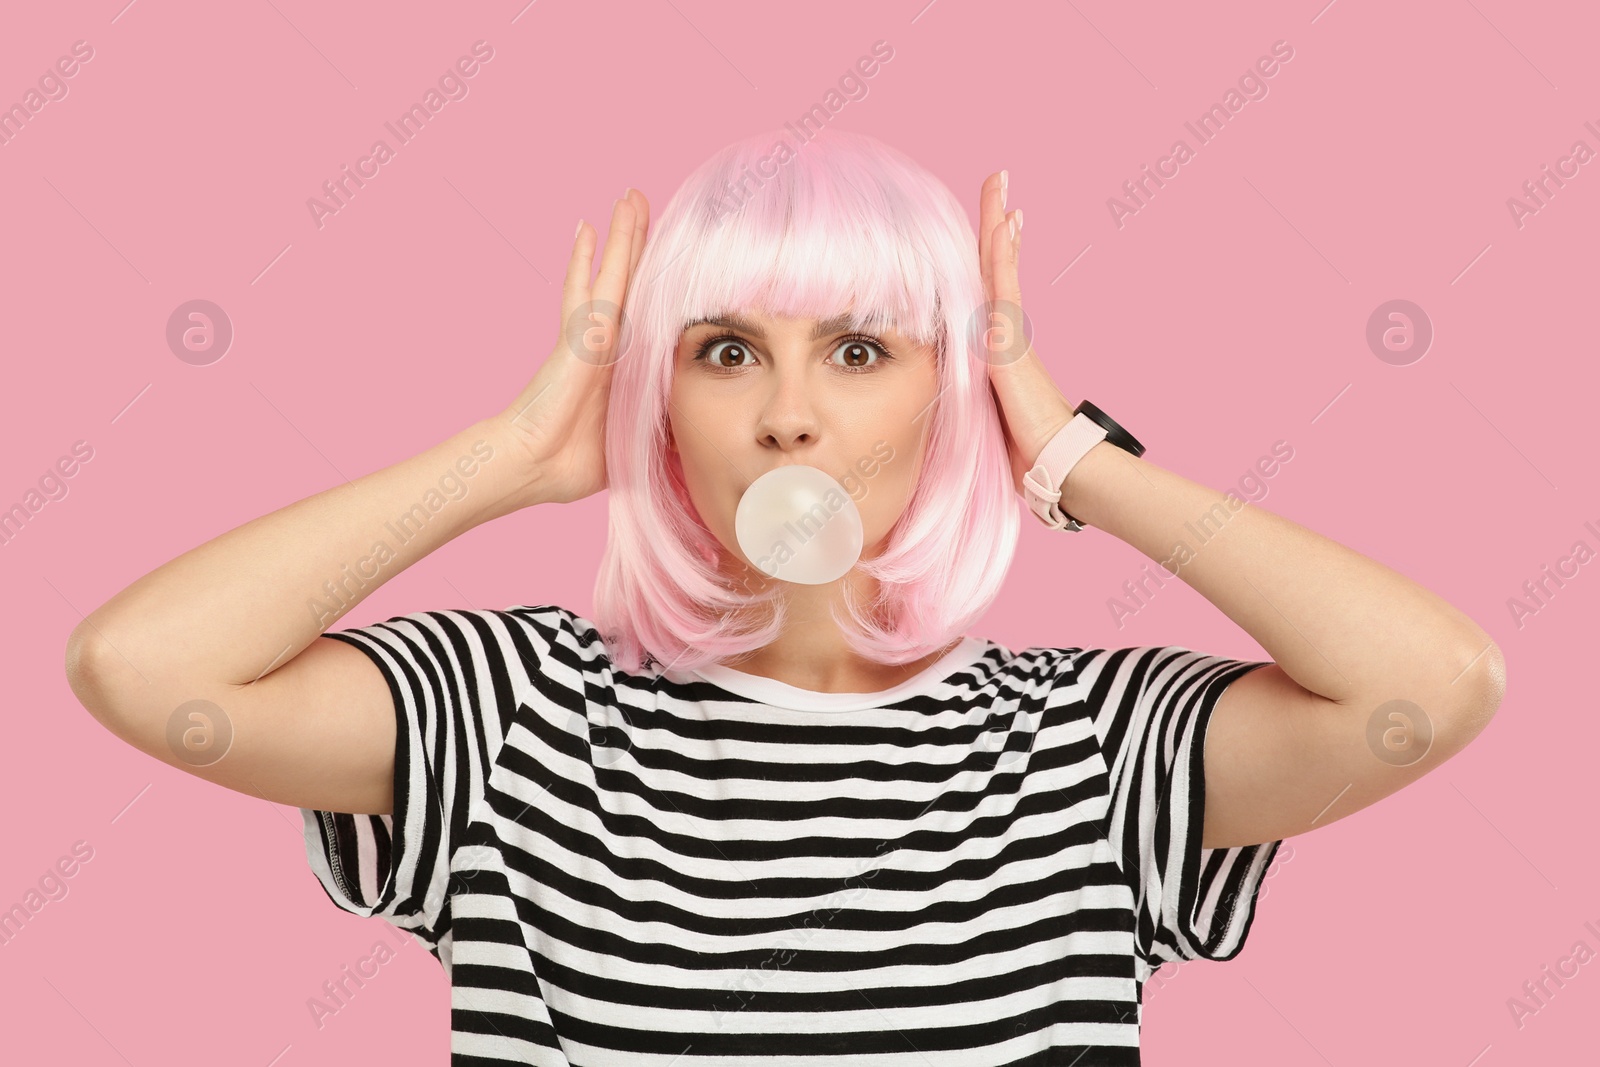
{"x":723,"y":347}
{"x":857,"y":351}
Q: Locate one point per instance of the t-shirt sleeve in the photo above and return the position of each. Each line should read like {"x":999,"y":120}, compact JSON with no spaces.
{"x":456,"y":678}
{"x":1151,"y":708}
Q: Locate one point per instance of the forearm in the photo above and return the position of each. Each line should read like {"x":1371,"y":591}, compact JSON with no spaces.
{"x":1341,"y":625}
{"x":251,"y":599}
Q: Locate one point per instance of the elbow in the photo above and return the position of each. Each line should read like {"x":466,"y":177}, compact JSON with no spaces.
{"x":85,"y":656}
{"x":1478,"y":689}
{"x":77,"y":664}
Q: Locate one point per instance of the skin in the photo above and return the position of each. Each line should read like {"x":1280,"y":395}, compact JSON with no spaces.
{"x":770,"y":395}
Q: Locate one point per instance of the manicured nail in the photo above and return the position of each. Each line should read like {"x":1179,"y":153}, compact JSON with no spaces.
{"x":578,"y":230}
{"x":1013,"y":227}
{"x":1019,"y":220}
{"x":626,"y":191}
{"x":1004,"y":177}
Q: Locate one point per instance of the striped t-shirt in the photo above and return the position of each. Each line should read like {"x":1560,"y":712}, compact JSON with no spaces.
{"x":982,"y":865}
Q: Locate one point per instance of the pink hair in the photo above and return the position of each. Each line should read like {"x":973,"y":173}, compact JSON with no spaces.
{"x":843,"y":221}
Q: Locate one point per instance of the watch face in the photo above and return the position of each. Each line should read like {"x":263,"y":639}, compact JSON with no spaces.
{"x":1114,"y":433}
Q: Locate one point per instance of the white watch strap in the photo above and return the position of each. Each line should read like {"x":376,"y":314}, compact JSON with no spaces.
{"x":1042,"y":484}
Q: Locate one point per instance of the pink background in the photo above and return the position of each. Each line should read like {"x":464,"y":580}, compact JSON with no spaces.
{"x":1227,"y":314}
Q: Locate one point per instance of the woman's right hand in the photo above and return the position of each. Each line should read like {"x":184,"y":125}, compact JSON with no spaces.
{"x":556,"y":426}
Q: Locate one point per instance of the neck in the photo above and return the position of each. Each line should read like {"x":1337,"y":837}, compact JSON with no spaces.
{"x":812,"y":653}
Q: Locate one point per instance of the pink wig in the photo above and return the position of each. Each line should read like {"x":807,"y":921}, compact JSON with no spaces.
{"x":841,"y":221}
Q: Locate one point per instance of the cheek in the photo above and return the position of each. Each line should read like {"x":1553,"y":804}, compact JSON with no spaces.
{"x":691,"y":418}
{"x":890,"y":488}
{"x":697,"y":463}
{"x":896,"y":459}
{"x":882,"y":480}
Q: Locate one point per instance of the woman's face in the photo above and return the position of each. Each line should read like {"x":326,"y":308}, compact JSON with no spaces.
{"x":768,"y":392}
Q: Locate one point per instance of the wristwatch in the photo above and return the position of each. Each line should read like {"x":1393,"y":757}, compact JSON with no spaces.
{"x":1042,"y":485}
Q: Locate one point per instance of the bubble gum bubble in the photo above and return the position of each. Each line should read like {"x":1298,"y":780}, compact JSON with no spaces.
{"x":797,"y":524}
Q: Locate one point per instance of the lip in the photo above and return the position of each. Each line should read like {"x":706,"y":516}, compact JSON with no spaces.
{"x":780,"y":466}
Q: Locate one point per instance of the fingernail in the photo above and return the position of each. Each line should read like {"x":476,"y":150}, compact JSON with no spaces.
{"x":1019,"y":220}
{"x":1013,"y":227}
{"x":626,"y":191}
{"x":578,"y":230}
{"x":1004,"y":178}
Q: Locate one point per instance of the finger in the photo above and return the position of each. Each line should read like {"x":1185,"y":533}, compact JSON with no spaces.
{"x":575,"y":287}
{"x":991,"y":204}
{"x":613,"y":277}
{"x":996,"y":247}
{"x":641,"y":228}
{"x":1005,"y":249}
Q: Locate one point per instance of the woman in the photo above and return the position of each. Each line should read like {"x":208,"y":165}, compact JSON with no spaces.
{"x":879,"y":837}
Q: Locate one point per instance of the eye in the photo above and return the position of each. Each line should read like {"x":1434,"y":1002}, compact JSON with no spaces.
{"x":860,"y":346}
{"x":736,"y":350}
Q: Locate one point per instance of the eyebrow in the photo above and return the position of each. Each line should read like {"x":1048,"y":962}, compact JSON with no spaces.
{"x":837,"y":324}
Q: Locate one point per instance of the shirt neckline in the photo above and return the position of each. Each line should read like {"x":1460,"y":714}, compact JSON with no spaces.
{"x":783,"y":695}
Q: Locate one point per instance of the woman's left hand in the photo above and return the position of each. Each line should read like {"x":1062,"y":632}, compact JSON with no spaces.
{"x":1034,"y":410}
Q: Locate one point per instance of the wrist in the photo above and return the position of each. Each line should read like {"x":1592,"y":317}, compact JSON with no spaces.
{"x":1078,"y":495}
{"x":503,"y":483}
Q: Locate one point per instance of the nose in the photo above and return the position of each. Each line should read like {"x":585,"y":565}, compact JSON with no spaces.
{"x":788,"y":417}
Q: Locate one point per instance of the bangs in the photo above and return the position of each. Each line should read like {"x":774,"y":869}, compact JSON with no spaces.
{"x":811,"y":244}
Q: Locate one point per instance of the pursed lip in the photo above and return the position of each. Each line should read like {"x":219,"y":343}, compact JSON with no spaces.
{"x":780,"y":466}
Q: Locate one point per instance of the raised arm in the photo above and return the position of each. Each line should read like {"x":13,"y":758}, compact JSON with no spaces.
{"x":226,"y":638}
{"x":1294,"y":746}
{"x":1376,"y":680}
{"x":215,"y":662}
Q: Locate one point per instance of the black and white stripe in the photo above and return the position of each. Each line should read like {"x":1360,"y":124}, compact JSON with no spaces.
{"x":977,"y":867}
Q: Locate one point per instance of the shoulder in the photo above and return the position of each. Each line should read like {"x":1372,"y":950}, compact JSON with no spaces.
{"x":1119,"y":677}
{"x":551,"y":617}
{"x":504,"y":642}
{"x":535,"y":620}
{"x":1132,"y":663}
{"x":562,"y":636}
